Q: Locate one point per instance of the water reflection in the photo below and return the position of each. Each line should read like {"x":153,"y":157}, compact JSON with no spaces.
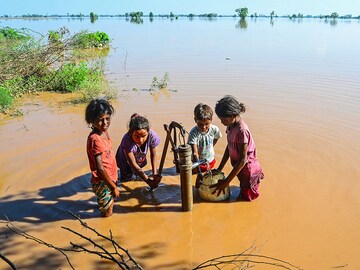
{"x":137,"y":20}
{"x":333,"y":22}
{"x":242,"y":23}
{"x":162,"y":92}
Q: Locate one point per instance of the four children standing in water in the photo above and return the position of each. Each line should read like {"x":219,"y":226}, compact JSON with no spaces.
{"x":140,"y":139}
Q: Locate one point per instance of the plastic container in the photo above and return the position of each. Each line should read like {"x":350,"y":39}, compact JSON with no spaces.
{"x":205,"y":192}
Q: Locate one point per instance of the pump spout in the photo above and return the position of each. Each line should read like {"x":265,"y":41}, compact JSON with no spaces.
{"x":198,"y":163}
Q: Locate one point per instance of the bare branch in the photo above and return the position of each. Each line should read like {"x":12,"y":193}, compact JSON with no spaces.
{"x":98,"y":250}
{"x":20,"y":232}
{"x":111,"y":240}
{"x":8,"y":261}
{"x":245,"y":261}
{"x":125,"y":261}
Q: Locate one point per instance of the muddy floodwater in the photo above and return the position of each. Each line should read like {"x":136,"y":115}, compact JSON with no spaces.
{"x":301,"y":85}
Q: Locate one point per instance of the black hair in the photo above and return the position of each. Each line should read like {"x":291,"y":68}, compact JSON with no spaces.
{"x":229,"y":106}
{"x":138,"y":122}
{"x":96,"y":108}
{"x":203,"y":112}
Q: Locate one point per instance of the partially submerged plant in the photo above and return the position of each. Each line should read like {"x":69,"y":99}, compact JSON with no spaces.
{"x":159,"y":84}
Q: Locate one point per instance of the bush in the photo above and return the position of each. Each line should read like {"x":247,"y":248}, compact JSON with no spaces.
{"x":6,"y":99}
{"x":69,"y":77}
{"x":54,"y":36}
{"x":15,"y":86}
{"x":85,"y":40}
{"x":58,"y":36}
{"x":12,"y":34}
{"x":60,"y":65}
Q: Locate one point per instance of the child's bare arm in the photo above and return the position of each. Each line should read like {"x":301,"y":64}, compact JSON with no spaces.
{"x":195,"y":152}
{"x":102,"y":173}
{"x":138,"y":170}
{"x":222,"y":184}
{"x":239,"y":164}
{"x":157,"y":178}
{"x":153,"y":158}
{"x":215,"y":141}
{"x":132,"y":162}
{"x":224,"y":159}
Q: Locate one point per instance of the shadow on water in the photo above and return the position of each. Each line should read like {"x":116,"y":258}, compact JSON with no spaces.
{"x":54,"y":203}
{"x":165,"y":198}
{"x":51,"y":203}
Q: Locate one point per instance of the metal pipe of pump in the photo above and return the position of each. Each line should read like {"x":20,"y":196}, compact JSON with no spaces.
{"x":185,"y":166}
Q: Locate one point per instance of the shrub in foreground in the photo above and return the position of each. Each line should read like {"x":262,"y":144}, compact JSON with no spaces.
{"x":6,"y":99}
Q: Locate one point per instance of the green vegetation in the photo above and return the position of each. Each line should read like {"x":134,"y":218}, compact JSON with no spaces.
{"x":8,"y":33}
{"x":157,"y":84}
{"x":84,"y":40}
{"x":272,"y":14}
{"x":242,"y":12}
{"x":6,"y":99}
{"x":93,"y":17}
{"x":334,"y":15}
{"x":136,"y":17}
{"x":62,"y":63}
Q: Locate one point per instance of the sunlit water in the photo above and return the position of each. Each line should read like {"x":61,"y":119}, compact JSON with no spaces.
{"x":300,"y":81}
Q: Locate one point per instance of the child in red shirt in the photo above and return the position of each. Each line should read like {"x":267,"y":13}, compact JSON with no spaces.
{"x":101,"y":157}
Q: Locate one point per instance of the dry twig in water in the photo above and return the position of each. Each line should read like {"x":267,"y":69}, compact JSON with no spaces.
{"x":244,"y":261}
{"x":124,"y":261}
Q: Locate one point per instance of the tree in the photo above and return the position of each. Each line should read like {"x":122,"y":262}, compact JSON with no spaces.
{"x":136,"y":15}
{"x":334,"y":15}
{"x":242,"y":12}
{"x":93,"y":17}
{"x":272,"y":14}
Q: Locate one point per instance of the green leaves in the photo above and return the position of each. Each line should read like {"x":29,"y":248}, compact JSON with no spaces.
{"x":6,"y":99}
{"x":85,"y":40}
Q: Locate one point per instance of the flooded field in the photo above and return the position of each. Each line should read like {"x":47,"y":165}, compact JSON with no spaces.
{"x":299,"y":80}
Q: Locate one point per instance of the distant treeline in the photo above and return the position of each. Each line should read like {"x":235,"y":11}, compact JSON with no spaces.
{"x":333,"y":15}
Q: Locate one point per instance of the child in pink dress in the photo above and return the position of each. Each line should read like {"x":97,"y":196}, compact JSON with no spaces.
{"x":240,"y":149}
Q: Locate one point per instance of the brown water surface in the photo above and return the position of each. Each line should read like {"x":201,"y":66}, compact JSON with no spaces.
{"x":304,"y":119}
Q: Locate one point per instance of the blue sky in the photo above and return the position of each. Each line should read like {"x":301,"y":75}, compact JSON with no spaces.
{"x":224,"y":7}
